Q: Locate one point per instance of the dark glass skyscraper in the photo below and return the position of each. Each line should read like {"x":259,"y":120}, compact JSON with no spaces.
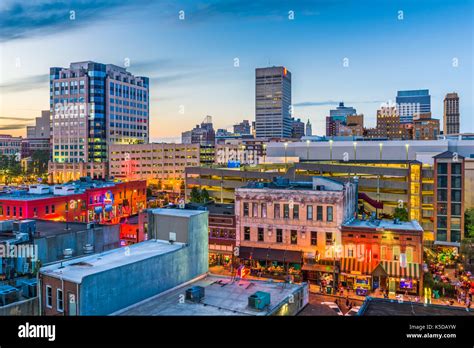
{"x":273,"y":102}
{"x":411,"y":103}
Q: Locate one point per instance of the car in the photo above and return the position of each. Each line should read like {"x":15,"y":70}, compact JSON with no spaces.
{"x":333,"y":306}
{"x":353,"y":311}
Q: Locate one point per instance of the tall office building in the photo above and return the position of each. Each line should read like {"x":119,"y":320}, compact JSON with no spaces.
{"x":273,"y":102}
{"x":411,"y":104}
{"x":309,"y":129}
{"x":451,"y":114}
{"x":341,"y":112}
{"x":93,"y":105}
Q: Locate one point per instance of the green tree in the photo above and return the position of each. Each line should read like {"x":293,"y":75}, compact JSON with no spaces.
{"x":40,"y":160}
{"x":469,"y":223}
{"x":204,"y":196}
{"x":401,"y":214}
{"x":195,"y":195}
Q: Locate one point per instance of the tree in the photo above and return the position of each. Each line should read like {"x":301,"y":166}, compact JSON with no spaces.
{"x":401,"y":214}
{"x":195,"y":195}
{"x":469,"y":223}
{"x":40,"y":160}
{"x":204,"y":196}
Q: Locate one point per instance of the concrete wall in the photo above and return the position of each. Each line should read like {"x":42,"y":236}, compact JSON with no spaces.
{"x":112,"y":290}
{"x":50,"y":248}
{"x":26,"y":307}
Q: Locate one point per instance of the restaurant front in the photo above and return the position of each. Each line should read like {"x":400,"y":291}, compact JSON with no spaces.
{"x":356,"y":275}
{"x":399,"y":280}
{"x":272,"y":263}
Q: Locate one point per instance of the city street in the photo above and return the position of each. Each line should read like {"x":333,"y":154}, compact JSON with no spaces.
{"x":315,"y":307}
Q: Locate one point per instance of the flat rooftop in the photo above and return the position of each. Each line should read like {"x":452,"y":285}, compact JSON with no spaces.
{"x":383,"y":307}
{"x":49,"y":228}
{"x":222,"y":297}
{"x":78,"y":268}
{"x":386,"y":224}
{"x":176,"y":212}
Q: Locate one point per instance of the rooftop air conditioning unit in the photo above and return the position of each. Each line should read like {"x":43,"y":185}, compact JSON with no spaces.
{"x":88,"y":249}
{"x":195,"y":294}
{"x":67,"y":253}
{"x":259,"y":300}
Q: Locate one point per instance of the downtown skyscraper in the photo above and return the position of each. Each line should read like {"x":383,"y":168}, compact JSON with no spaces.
{"x":451,"y":114}
{"x":273,"y":117}
{"x":93,"y":105}
{"x":411,"y":104}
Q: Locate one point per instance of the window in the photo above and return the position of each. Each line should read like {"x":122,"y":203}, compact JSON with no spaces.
{"x":456,"y":209}
{"x":254,"y":210}
{"x":296,"y":212}
{"x":264,"y":210}
{"x":314,"y":238}
{"x":441,"y":235}
{"x":286,"y":211}
{"x":319,"y":213}
{"x":396,"y":253}
{"x":47,"y":209}
{"x":294,"y":237}
{"x":329,"y":211}
{"x":53,"y":208}
{"x":14,"y":211}
{"x":456,"y":195}
{"x":49,"y":296}
{"x":329,"y":240}
{"x":35,"y":212}
{"x":20,"y":211}
{"x":383,"y":253}
{"x":8,"y":211}
{"x":409,"y":253}
{"x":246,"y":209}
{"x":59,"y":300}
{"x":279,"y":236}
{"x":246,"y":233}
{"x":442,"y":168}
{"x":309,"y":212}
{"x":260,"y":234}
{"x":456,"y":169}
{"x":276,"y":211}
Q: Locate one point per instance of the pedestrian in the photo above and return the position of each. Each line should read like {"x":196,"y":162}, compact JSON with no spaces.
{"x":347,"y":301}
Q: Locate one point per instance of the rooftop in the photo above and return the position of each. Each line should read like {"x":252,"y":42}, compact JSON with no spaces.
{"x":280,"y":183}
{"x":77,"y":269}
{"x":385,"y":224}
{"x":176,"y":212}
{"x":222,"y":297}
{"x":49,"y":228}
{"x":384,"y":307}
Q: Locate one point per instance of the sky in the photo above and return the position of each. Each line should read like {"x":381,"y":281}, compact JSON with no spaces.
{"x":359,"y":52}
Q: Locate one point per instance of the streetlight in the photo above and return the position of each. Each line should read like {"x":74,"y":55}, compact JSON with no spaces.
{"x":406,"y":147}
{"x":307,"y":150}
{"x":286,"y":159}
{"x":380,"y":148}
{"x":264,"y":152}
{"x":330,"y":149}
{"x":355,"y":150}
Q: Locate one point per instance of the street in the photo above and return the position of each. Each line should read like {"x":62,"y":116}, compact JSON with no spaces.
{"x":315,"y":307}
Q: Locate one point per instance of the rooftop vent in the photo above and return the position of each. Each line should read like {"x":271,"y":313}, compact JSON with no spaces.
{"x":259,"y":300}
{"x":195,"y":294}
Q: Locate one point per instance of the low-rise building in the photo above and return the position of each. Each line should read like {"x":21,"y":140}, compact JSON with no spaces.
{"x":104,"y":283}
{"x":382,"y":254}
{"x":287,"y":227}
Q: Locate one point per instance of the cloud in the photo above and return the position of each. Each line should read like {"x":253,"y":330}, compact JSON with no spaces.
{"x":26,"y":84}
{"x":16,"y":118}
{"x":22,"y":19}
{"x":12,"y":127}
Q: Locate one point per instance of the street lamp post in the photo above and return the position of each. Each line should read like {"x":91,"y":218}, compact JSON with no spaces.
{"x":286,"y":158}
{"x":380,"y":150}
{"x":406,"y":147}
{"x":355,"y":150}
{"x":264,"y":153}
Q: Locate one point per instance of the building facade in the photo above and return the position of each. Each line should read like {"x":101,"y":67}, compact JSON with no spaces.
{"x":273,"y":102}
{"x":283,"y":226}
{"x":10,"y":146}
{"x":411,"y":103}
{"x":449,"y":205}
{"x":382,"y":254}
{"x":154,"y":162}
{"x":297,"y":129}
{"x":451,"y":117}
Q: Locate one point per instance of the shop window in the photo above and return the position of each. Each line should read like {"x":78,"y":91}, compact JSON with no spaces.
{"x":279,"y":236}
{"x":314,"y":238}
{"x":296,"y":212}
{"x":260,"y":234}
{"x":294,"y":237}
{"x":246,"y":233}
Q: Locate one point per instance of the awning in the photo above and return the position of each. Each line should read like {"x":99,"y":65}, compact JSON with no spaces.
{"x":351,"y":265}
{"x":262,"y":254}
{"x":393,"y":269}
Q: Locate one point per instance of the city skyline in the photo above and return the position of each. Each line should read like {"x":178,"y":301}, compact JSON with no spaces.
{"x":183,"y":59}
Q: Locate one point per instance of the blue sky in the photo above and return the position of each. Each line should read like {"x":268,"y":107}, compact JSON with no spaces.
{"x":191,"y":62}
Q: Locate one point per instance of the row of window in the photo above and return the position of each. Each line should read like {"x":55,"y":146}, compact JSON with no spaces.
{"x":293,"y":236}
{"x":59,"y":298}
{"x":285,"y":214}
